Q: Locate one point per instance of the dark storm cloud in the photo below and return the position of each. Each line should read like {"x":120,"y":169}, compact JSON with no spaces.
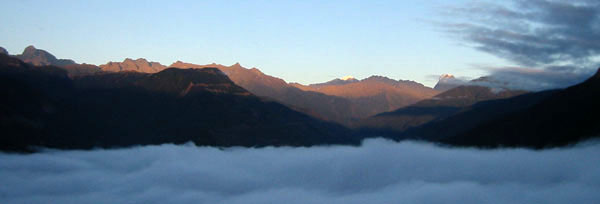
{"x":532,"y":32}
{"x":379,"y":171}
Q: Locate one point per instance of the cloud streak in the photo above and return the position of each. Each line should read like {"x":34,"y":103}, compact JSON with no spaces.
{"x":518,"y":78}
{"x":379,"y":171}
{"x":539,"y":35}
{"x":532,"y":32}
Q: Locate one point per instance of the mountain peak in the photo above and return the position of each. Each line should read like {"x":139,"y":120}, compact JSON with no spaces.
{"x":337,"y":81}
{"x":3,"y":51}
{"x":237,"y":64}
{"x":29,"y":49}
{"x":136,"y":61}
{"x":447,"y":82}
{"x":40,"y":57}
{"x":446,"y":76}
{"x":138,"y":65}
{"x":346,"y":78}
{"x":378,"y":78}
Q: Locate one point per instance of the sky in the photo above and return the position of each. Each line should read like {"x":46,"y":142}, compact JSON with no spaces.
{"x":298,"y":41}
{"x":379,"y":171}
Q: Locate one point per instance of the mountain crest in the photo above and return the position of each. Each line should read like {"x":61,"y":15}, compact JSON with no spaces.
{"x":446,"y":76}
{"x":3,"y":51}
{"x":447,"y":82}
{"x":40,"y":57}
{"x":141,"y":60}
{"x":382,"y":79}
{"x":30,"y":50}
{"x":347,"y":78}
{"x":597,"y":75}
{"x":186,"y":81}
{"x":138,"y":65}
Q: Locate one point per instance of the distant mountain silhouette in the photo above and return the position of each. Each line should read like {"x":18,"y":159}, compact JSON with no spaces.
{"x":252,"y":80}
{"x":353,"y":101}
{"x":375,"y":94}
{"x":139,"y":65}
{"x":371,"y":86}
{"x":344,"y":105}
{"x":348,"y":80}
{"x":42,"y":106}
{"x":538,"y":120}
{"x":436,"y":108}
{"x":39,"y":57}
{"x":447,"y":82}
{"x":319,"y":105}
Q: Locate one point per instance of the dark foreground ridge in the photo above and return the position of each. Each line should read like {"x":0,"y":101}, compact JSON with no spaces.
{"x":43,"y":107}
{"x":537,"y":120}
{"x":439,"y":107}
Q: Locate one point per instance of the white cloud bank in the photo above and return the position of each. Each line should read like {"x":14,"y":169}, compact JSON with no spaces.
{"x":380,"y":171}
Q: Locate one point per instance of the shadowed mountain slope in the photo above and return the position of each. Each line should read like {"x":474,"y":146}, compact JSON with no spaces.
{"x":333,"y":108}
{"x":537,"y":120}
{"x":76,"y":70}
{"x":375,"y":94}
{"x":562,"y":117}
{"x":436,"y":108}
{"x":44,"y":107}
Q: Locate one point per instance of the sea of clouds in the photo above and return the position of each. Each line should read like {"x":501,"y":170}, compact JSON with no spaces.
{"x":379,"y":171}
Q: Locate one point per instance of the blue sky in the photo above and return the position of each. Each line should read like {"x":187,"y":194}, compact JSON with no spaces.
{"x":299,"y":41}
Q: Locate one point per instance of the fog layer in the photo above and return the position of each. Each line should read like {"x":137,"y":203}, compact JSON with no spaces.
{"x":379,"y":171}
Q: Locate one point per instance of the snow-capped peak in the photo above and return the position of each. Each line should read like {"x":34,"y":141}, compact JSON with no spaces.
{"x":446,"y":76}
{"x":346,"y":78}
{"x":447,"y":82}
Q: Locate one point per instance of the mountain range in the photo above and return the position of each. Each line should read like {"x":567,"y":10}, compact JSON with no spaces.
{"x":58,"y":103}
{"x":341,"y":101}
{"x":39,"y":57}
{"x":344,"y":104}
{"x":330,"y":108}
{"x":43,"y":106}
{"x":375,"y":94}
{"x":336,"y":101}
{"x":138,"y":65}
